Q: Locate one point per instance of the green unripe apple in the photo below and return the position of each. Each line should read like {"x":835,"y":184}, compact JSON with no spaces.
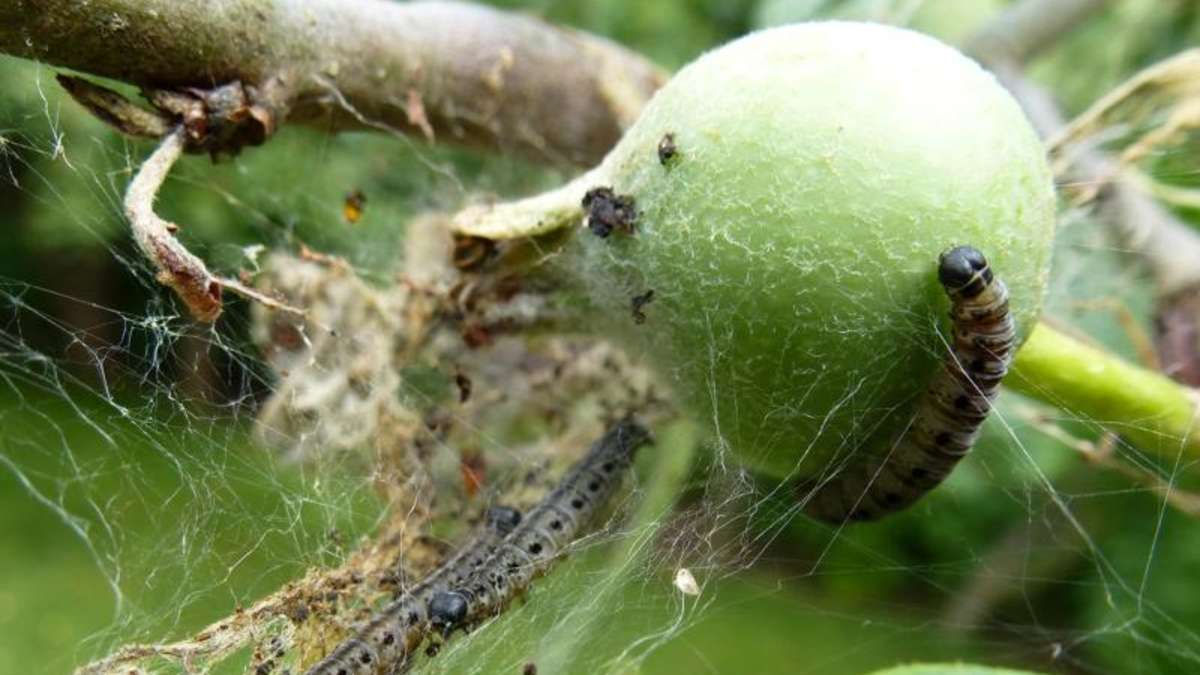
{"x":793,"y":190}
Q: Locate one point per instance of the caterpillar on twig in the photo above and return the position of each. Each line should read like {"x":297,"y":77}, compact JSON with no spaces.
{"x":387,"y":640}
{"x":529,"y":550}
{"x":951,"y":412}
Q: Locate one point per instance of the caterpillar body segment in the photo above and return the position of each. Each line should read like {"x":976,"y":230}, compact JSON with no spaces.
{"x":391,"y":635}
{"x":499,"y":521}
{"x":542,"y":536}
{"x":950,"y":413}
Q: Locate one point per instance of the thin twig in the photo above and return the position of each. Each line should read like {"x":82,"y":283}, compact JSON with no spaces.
{"x":1101,"y":455}
{"x":177,"y":267}
{"x":1143,"y":344}
{"x":116,"y":110}
{"x":1029,"y":27}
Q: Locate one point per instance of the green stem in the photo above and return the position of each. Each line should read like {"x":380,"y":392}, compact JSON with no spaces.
{"x":1144,"y":406}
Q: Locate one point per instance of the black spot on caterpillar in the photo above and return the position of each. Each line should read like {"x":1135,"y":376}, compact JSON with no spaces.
{"x":531,"y":548}
{"x":951,"y":411}
{"x":386,"y":641}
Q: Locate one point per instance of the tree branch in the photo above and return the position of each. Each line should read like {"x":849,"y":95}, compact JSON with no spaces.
{"x":225,"y":73}
{"x":458,"y":72}
{"x":1168,"y":246}
{"x":1029,"y":27}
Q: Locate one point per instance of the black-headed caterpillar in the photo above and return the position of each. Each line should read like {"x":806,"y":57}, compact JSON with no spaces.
{"x":387,"y":640}
{"x":529,"y":550}
{"x":949,"y":415}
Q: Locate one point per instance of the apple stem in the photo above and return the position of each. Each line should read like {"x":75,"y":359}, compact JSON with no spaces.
{"x":1144,"y":406}
{"x":528,"y":217}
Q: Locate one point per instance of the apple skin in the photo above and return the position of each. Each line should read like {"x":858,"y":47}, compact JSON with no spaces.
{"x":791,"y":232}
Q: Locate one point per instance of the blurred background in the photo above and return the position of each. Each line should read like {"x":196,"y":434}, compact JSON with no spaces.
{"x":134,"y":504}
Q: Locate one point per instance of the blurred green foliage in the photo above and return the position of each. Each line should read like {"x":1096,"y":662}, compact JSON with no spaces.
{"x":104,"y":469}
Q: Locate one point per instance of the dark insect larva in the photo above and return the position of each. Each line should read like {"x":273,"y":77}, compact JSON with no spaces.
{"x":391,"y":635}
{"x":531,"y":548}
{"x":951,"y":412}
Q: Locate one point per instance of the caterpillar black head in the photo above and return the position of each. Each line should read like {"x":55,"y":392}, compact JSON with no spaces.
{"x":963,"y":271}
{"x":447,"y":611}
{"x":502,"y":519}
{"x":630,"y":435}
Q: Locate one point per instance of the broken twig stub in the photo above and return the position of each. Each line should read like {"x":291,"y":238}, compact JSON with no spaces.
{"x":177,"y":267}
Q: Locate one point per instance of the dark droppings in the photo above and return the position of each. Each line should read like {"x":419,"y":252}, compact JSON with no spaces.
{"x":667,"y":150}
{"x":608,"y":211}
{"x":464,"y":386}
{"x":638,"y":302}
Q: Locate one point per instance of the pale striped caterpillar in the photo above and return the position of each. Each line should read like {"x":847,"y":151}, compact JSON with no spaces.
{"x":951,"y":411}
{"x":387,"y":640}
{"x":531,"y":548}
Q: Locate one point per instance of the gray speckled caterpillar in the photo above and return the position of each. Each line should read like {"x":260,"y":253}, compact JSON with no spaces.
{"x":530,"y":549}
{"x":390,"y":636}
{"x":950,"y":414}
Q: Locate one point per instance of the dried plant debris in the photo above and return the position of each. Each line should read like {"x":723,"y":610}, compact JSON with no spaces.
{"x":607,"y":211}
{"x":220,"y":120}
{"x":115,"y":110}
{"x":464,"y":386}
{"x":345,"y":371}
{"x":223,"y":119}
{"x":1163,"y":100}
{"x":471,"y":253}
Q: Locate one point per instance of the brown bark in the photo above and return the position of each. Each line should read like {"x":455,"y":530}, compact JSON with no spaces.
{"x":451,"y":71}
